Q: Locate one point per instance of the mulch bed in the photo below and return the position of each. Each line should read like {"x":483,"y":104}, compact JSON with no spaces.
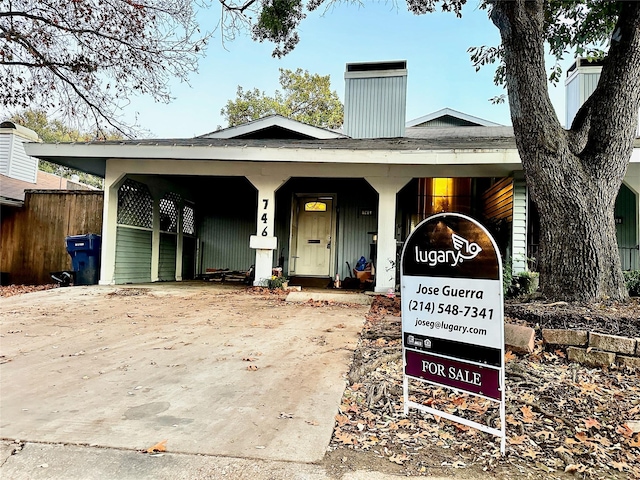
{"x":612,"y":318}
{"x":562,"y":418}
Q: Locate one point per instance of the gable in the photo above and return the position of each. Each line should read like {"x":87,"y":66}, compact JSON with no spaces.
{"x":448,"y":117}
{"x":274,"y":127}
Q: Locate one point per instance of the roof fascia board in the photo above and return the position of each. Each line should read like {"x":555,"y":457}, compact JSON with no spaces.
{"x":261,"y":154}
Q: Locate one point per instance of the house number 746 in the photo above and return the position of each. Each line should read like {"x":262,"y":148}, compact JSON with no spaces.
{"x":264,"y":216}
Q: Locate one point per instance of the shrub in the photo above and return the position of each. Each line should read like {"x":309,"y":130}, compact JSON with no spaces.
{"x":632,"y":280}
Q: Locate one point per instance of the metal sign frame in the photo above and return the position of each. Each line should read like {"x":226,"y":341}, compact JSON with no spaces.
{"x":446,"y":361}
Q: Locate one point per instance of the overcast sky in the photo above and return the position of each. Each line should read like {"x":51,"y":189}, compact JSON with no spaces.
{"x":440,"y":73}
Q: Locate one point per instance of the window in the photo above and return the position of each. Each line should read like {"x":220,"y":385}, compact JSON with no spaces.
{"x":315,"y":207}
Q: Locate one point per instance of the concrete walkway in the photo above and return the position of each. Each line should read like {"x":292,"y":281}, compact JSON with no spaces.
{"x":70,"y":462}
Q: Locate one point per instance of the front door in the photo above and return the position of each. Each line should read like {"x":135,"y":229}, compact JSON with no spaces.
{"x":312,"y":237}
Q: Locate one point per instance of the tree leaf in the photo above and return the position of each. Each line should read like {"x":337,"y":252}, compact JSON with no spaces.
{"x":158,"y":447}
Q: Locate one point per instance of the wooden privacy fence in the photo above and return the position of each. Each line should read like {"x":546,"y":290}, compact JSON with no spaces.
{"x":32,"y":237}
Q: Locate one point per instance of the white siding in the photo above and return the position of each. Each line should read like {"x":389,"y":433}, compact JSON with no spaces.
{"x":519,"y":226}
{"x":572,"y":99}
{"x":5,"y":149}
{"x":20,"y":165}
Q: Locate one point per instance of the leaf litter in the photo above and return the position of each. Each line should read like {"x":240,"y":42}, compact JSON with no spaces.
{"x":562,"y":418}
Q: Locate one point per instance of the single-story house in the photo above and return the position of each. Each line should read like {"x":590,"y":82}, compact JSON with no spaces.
{"x":276,"y":192}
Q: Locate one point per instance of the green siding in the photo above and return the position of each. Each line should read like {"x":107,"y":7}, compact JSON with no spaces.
{"x":133,"y":255}
{"x":626,"y":212}
{"x":354,"y":237}
{"x":226,"y":220}
{"x":167,"y":263}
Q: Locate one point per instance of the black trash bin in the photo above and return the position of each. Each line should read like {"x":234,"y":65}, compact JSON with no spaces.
{"x":85,"y":257}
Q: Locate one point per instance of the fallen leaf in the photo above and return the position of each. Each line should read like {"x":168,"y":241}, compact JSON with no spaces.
{"x":624,"y":430}
{"x":575,"y":468}
{"x":582,"y":436}
{"x":399,"y":459}
{"x":511,"y":420}
{"x":158,"y":447}
{"x":345,"y":438}
{"x":509,"y":356}
{"x":592,"y":423}
{"x":518,"y":440}
{"x":342,"y":420}
{"x":531,"y":453}
{"x":527,"y":414}
{"x":620,"y":466}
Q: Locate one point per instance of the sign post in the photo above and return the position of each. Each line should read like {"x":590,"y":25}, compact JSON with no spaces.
{"x":453,"y":313}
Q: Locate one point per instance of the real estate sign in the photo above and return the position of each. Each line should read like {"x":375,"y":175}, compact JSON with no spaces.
{"x":452,"y":311}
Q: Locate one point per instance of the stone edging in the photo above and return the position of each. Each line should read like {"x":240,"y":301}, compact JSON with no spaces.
{"x":595,"y":349}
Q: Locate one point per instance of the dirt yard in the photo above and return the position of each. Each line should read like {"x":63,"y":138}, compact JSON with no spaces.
{"x":214,"y":370}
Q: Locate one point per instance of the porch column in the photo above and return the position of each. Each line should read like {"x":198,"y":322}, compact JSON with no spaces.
{"x":179,"y":242}
{"x":519,"y":224}
{"x":112,"y":183}
{"x":387,"y":188}
{"x":264,"y":241}
{"x":155,"y":238}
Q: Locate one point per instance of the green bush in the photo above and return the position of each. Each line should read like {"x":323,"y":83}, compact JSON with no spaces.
{"x":632,"y":279}
{"x":507,"y":277}
{"x":276,"y":282}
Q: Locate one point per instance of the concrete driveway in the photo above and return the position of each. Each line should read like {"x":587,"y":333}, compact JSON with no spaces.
{"x":213,"y":370}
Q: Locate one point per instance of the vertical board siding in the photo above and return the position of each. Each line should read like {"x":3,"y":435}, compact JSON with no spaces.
{"x":573,"y":99}
{"x":225,"y":222}
{"x":354,"y":239}
{"x":167,"y":263}
{"x":626,"y":232}
{"x":32,"y":238}
{"x":375,"y":107}
{"x":133,"y":255}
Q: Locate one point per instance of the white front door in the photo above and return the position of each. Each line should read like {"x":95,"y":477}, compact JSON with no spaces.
{"x":313,"y":237}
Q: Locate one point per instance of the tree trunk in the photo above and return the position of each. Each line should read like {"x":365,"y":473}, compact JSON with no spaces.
{"x":573,"y":175}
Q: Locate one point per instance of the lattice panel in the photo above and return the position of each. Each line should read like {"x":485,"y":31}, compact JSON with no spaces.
{"x":188,"y":220}
{"x":135,"y":204}
{"x":169,"y":212}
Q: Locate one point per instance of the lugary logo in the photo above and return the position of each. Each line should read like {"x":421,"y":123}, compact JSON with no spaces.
{"x":464,"y":250}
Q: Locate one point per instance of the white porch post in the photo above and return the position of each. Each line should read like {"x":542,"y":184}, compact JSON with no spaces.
{"x":519,"y":224}
{"x":264,"y":241}
{"x":155,"y":238}
{"x":109,"y":227}
{"x":387,"y":188}
{"x":179,"y":242}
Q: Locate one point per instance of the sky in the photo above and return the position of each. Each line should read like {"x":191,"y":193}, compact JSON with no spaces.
{"x":440,"y":73}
